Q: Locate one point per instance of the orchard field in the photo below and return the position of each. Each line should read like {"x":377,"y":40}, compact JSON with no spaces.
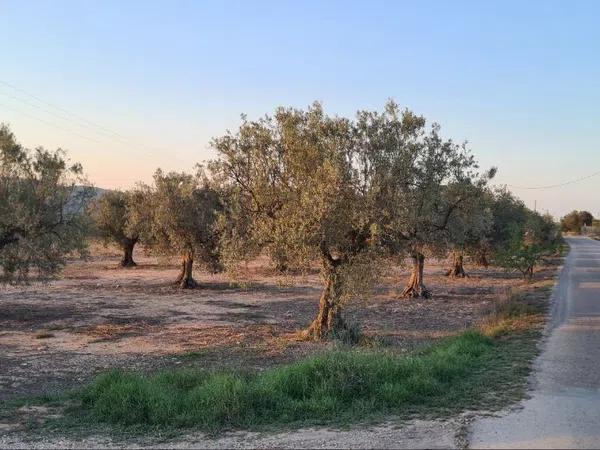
{"x":320,"y":271}
{"x":57,"y":336}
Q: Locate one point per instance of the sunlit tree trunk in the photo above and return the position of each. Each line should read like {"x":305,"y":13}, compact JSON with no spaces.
{"x":185,"y":279}
{"x":127,"y":260}
{"x":481,"y":259}
{"x":329,"y":318}
{"x":415,"y":287}
{"x":528,"y":273}
{"x":457,"y":270}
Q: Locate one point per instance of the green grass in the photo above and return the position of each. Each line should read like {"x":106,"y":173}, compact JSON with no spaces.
{"x":334,"y":387}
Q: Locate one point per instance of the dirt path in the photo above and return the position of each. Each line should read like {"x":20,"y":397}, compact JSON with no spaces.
{"x":415,"y":434}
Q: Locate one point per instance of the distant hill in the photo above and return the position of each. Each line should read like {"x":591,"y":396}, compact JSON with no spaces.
{"x":74,"y":205}
{"x":98,"y":192}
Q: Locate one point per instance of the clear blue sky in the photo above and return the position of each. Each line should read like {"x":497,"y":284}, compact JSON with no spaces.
{"x":519,"y":80}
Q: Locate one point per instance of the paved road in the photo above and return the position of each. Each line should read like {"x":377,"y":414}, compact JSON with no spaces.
{"x":564,"y":410}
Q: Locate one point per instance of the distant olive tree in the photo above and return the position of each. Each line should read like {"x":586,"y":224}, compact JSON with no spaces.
{"x":506,"y":211}
{"x":468,"y":230}
{"x":528,"y":238}
{"x":42,"y":210}
{"x":114,"y":220}
{"x":575,"y":220}
{"x":183,"y":221}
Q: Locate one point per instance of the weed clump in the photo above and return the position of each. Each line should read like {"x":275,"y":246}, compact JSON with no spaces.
{"x":342,"y":385}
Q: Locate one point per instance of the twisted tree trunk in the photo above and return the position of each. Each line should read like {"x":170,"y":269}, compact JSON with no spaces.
{"x":482,"y":260}
{"x":457,"y":270}
{"x":127,"y":246}
{"x":185,"y":279}
{"x":329,"y":319}
{"x":415,"y":287}
{"x":528,"y":273}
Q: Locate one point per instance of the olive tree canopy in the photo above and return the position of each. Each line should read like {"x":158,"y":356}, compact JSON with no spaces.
{"x":528,"y":242}
{"x":42,"y":210}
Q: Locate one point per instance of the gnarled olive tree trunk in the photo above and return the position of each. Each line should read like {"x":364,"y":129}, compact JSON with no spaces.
{"x":457,"y":270}
{"x":127,"y":245}
{"x":528,"y":273}
{"x":481,"y":259}
{"x":415,"y":287}
{"x":185,"y":279}
{"x":329,"y":319}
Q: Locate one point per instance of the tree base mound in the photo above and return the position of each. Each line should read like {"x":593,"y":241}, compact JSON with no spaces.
{"x":457,"y":273}
{"x":188,"y":283}
{"x":416,"y":292}
{"x":127,"y":264}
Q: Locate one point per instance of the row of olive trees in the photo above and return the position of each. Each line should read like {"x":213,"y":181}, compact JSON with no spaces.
{"x":507,"y":232}
{"x":177,"y":214}
{"x":303,"y":186}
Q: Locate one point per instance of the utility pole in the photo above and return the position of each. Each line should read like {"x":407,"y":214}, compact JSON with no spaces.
{"x":535,"y":205}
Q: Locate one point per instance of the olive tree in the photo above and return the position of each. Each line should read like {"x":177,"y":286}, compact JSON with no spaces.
{"x":528,"y":243}
{"x":504,"y":211}
{"x":42,"y":210}
{"x":183,"y":220}
{"x":519,"y":237}
{"x":586,"y":218}
{"x":116,"y":223}
{"x":291,"y":177}
{"x":307,"y":186}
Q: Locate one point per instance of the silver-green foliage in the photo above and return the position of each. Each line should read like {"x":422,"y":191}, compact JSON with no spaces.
{"x":178,"y":213}
{"x":112,"y":214}
{"x":42,"y":210}
{"x":307,"y":186}
{"x":521,"y":237}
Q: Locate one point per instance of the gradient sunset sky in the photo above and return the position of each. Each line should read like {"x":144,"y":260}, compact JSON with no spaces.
{"x":129,"y":86}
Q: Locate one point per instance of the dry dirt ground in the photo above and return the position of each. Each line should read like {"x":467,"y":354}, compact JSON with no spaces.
{"x":57,"y":336}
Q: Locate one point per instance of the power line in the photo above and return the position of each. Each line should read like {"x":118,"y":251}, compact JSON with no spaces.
{"x":53,"y":113}
{"x":112,"y":136}
{"x":51,"y":124}
{"x":73,"y":115}
{"x":65,"y":114}
{"x":551,"y":186}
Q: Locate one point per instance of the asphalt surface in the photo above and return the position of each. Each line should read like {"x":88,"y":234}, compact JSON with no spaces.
{"x":564,"y":408}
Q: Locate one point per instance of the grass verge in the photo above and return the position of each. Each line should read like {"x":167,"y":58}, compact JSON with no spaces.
{"x":344,"y":386}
